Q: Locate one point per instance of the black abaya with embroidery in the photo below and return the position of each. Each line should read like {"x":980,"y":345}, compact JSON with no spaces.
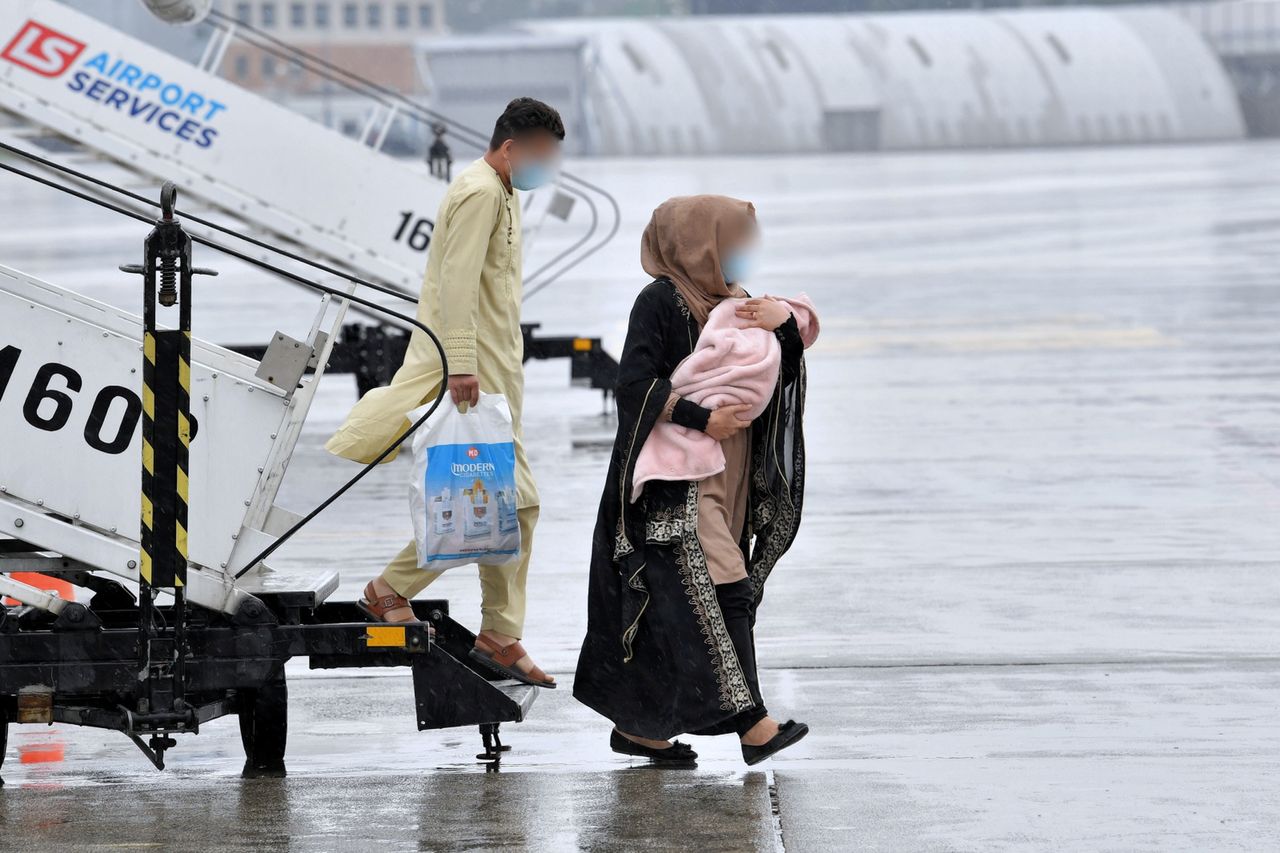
{"x":657,"y":659}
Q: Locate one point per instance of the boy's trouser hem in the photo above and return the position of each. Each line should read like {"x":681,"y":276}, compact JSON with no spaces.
{"x":502,"y":588}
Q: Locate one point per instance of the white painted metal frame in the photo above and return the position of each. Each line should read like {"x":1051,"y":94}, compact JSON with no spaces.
{"x":263,"y":520}
{"x":334,"y":195}
{"x":31,"y":595}
{"x":113,"y":554}
{"x":56,"y":512}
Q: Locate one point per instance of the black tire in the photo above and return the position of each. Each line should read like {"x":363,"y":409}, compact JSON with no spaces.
{"x":264,"y":727}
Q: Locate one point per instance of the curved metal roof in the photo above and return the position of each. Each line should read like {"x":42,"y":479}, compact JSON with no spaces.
{"x":904,"y":81}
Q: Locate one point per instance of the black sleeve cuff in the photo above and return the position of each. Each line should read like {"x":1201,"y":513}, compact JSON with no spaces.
{"x":689,"y":414}
{"x":789,"y":331}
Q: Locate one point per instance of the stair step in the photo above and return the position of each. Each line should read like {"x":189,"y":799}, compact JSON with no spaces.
{"x":521,"y":694}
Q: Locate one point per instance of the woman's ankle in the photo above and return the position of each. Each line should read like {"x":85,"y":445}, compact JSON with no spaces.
{"x":761,"y":733}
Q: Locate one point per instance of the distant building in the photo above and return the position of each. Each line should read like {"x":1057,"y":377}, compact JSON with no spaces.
{"x":1246,"y":36}
{"x":895,"y":81}
{"x":135,"y":19}
{"x":371,"y":38}
{"x":366,"y":21}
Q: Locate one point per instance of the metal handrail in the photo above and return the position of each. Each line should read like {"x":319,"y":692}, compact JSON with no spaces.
{"x":293,"y":277}
{"x":390,"y":98}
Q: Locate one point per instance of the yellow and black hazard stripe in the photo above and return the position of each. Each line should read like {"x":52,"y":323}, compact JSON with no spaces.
{"x":166,"y":439}
{"x":148,"y":453}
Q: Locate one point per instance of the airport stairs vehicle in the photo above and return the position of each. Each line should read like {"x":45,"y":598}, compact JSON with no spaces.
{"x":140,"y":115}
{"x":126,"y":113}
{"x":149,"y":466}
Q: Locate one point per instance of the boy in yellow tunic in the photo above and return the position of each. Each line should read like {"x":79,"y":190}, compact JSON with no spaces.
{"x":471,"y":299}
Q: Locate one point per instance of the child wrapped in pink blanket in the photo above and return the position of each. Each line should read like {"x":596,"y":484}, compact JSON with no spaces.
{"x":730,"y":364}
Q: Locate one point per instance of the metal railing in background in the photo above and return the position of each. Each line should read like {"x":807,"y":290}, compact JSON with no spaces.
{"x":386,"y":106}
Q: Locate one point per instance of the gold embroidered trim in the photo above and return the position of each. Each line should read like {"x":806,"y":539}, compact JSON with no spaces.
{"x":775,"y":521}
{"x":622,"y":545}
{"x":664,"y":525}
{"x":735,"y":695}
{"x":629,"y":635}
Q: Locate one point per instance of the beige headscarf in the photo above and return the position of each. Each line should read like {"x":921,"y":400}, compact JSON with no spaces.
{"x":683,"y":242}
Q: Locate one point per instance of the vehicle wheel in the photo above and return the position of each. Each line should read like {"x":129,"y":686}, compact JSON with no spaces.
{"x":264,"y":727}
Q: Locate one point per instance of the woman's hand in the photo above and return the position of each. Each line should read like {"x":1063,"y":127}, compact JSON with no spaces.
{"x":724,"y":421}
{"x":764,"y":313}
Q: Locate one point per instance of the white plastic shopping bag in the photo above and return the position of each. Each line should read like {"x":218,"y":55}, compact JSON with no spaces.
{"x":463,"y":496}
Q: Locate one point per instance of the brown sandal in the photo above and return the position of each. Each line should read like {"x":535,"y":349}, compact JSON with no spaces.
{"x":502,"y":660}
{"x":376,"y":607}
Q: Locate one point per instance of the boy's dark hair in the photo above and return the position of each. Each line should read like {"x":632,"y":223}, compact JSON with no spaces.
{"x":522,"y":116}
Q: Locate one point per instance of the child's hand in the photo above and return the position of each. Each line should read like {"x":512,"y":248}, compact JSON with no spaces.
{"x":764,"y":313}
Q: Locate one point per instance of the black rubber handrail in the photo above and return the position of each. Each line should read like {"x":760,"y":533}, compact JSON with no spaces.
{"x":295,"y":278}
{"x":389,"y":290}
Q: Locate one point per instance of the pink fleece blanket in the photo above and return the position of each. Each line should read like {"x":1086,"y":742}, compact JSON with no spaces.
{"x":730,"y":364}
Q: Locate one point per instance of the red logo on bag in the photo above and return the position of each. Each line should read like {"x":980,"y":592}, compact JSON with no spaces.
{"x":472,"y":453}
{"x":42,"y":50}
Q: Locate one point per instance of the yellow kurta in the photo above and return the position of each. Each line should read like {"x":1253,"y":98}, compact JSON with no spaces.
{"x":471,"y":300}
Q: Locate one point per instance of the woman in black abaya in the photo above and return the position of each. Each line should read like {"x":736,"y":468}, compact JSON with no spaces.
{"x":676,"y":577}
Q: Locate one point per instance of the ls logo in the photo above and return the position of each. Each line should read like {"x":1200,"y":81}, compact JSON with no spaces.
{"x":42,"y":50}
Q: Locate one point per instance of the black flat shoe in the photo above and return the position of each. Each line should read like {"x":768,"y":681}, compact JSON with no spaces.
{"x":788,"y":733}
{"x":678,"y":752}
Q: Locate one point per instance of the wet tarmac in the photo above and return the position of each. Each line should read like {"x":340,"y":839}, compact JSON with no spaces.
{"x":1034,"y":604}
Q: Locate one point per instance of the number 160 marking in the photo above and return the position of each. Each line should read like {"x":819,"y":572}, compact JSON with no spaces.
{"x":40,"y":392}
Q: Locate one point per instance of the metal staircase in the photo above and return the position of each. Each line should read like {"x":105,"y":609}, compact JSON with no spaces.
{"x":97,"y":401}
{"x":130,"y":114}
{"x":110,"y":117}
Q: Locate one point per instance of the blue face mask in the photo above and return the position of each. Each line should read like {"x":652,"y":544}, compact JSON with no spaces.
{"x":738,"y":266}
{"x":530,"y":176}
